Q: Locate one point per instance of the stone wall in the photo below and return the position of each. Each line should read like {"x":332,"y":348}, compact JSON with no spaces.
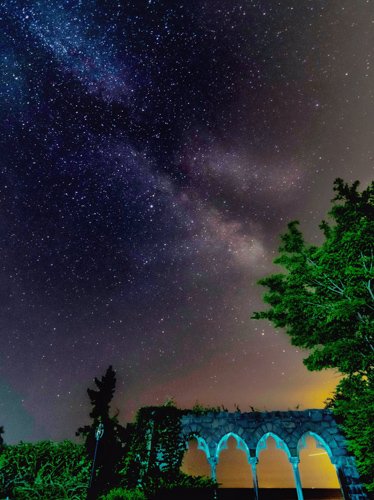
{"x":288,"y":428}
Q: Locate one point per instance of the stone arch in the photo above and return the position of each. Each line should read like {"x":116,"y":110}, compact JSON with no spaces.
{"x":231,"y":426}
{"x":287,"y":428}
{"x":241,"y":444}
{"x":238,"y":454}
{"x":310,"y":469}
{"x":324,"y":436}
{"x":280,"y":444}
{"x":193,"y":461}
{"x":201,"y":443}
{"x":271,"y":427}
{"x":282,"y":467}
{"x":321,"y":443}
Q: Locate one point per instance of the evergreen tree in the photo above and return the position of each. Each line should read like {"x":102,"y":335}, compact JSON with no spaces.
{"x":112,"y":445}
{"x":325,"y":301}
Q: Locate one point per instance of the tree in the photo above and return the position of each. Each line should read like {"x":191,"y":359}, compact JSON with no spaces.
{"x":325,"y":301}
{"x":353,"y":406}
{"x":112,"y":446}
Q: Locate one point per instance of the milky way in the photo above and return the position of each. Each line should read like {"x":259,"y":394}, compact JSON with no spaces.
{"x":151,"y":154}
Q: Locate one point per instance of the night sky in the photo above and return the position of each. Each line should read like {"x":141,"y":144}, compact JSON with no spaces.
{"x":151,"y":154}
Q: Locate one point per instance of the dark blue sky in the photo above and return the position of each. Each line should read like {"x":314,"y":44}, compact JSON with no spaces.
{"x":151,"y":153}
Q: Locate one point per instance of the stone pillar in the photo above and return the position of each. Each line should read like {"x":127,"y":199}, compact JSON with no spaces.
{"x":342,"y":481}
{"x":213,"y":467}
{"x":295,"y":467}
{"x":253,"y":462}
{"x":349,"y":479}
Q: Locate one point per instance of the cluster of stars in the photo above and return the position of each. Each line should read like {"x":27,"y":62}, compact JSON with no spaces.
{"x":151,"y":153}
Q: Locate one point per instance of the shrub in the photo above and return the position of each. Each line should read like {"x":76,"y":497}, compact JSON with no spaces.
{"x":167,"y":486}
{"x":30,"y":471}
{"x":124,"y":494}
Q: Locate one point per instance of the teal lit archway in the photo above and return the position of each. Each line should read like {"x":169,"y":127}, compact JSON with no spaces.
{"x":320,"y":441}
{"x":241,"y":444}
{"x":280,"y":444}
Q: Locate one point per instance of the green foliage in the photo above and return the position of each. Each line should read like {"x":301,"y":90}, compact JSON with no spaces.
{"x":184,"y":481}
{"x":178,"y":483}
{"x":112,"y":446}
{"x":170,"y":402}
{"x":200,"y":409}
{"x":325,"y":301}
{"x":151,"y":469}
{"x":353,"y":405}
{"x":156,"y":453}
{"x":156,"y":446}
{"x":124,"y":494}
{"x":44,"y":470}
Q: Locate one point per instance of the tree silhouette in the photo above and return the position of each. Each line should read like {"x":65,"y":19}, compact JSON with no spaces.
{"x":112,"y":445}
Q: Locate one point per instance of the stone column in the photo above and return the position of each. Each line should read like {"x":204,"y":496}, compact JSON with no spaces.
{"x":295,"y":467}
{"x":253,"y":462}
{"x":349,"y":479}
{"x":213,"y":467}
{"x":342,"y":482}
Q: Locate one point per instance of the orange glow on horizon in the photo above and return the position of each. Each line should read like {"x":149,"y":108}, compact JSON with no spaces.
{"x":273,"y":469}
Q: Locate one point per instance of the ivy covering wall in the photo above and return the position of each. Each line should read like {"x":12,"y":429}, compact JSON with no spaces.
{"x":157,"y":450}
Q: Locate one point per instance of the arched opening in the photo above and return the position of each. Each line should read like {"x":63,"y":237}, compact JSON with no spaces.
{"x":316,"y":469}
{"x":195,"y":462}
{"x":233,"y":469}
{"x":274,"y":469}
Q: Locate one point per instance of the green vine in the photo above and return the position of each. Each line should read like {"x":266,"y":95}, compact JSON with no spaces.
{"x":199,"y":409}
{"x":157,"y":450}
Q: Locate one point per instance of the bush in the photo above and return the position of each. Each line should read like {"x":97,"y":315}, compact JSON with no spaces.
{"x":170,"y":485}
{"x":124,"y":494}
{"x":44,"y":470}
